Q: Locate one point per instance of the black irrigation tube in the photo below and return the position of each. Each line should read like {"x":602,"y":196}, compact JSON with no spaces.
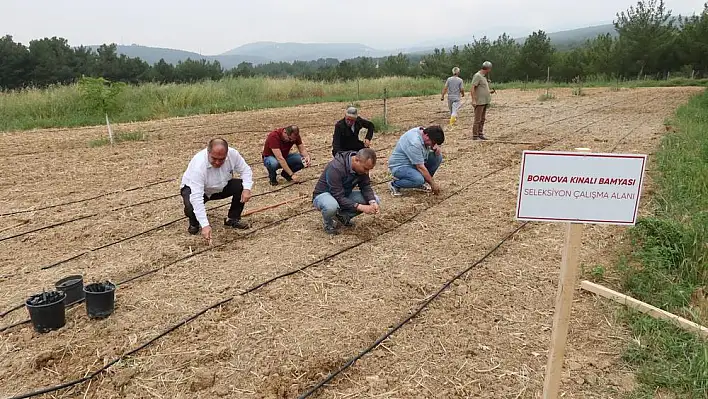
{"x":86,"y":199}
{"x":294,"y":271}
{"x":403,"y":322}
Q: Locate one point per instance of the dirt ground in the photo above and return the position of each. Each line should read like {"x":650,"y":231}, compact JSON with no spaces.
{"x":487,"y":336}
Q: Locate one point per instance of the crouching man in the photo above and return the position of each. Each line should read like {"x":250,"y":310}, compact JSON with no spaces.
{"x":415,"y":159}
{"x":334,"y":193}
{"x":209,"y":176}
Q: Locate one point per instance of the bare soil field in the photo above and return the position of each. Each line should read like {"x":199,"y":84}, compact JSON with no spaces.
{"x":114,"y":213}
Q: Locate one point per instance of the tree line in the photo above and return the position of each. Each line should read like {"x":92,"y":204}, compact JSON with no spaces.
{"x":649,"y":42}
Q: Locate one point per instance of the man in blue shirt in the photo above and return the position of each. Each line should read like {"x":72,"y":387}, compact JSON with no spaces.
{"x":415,"y":159}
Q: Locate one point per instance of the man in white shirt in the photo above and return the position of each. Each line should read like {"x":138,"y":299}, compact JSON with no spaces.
{"x":209,"y":176}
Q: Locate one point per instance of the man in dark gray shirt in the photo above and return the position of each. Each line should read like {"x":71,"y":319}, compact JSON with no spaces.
{"x":454,"y":87}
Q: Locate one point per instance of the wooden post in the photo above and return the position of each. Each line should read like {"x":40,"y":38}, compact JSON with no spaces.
{"x":110,"y":131}
{"x":548,"y":80}
{"x":384,"y":113}
{"x":693,"y":73}
{"x":564,"y":304}
{"x":358,"y":96}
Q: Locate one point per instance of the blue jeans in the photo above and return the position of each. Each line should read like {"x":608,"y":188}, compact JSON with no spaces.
{"x":271,"y":163}
{"x":410,"y":177}
{"x":329,"y":206}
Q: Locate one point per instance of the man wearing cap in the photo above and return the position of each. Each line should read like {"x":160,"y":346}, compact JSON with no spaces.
{"x":276,"y":154}
{"x":481,"y":97}
{"x":415,"y":159}
{"x":209,"y":176}
{"x":454,"y":87}
{"x":346,"y":132}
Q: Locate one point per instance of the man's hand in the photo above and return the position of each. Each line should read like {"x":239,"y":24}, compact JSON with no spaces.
{"x":306,"y":159}
{"x":493,"y":91}
{"x":437,"y":150}
{"x":442,"y":98}
{"x":436,"y":188}
{"x":367,"y":143}
{"x":367,"y":209}
{"x":245,"y":196}
{"x":375,"y":206}
{"x":295,"y":177}
{"x":206,"y":233}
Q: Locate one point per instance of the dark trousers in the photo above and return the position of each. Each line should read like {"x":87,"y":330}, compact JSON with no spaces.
{"x":233,"y":189}
{"x":480,"y":115}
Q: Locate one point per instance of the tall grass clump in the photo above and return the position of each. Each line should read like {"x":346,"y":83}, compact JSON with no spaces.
{"x":668,"y":264}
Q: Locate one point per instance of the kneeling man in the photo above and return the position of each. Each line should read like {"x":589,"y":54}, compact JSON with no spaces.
{"x":209,"y":176}
{"x":415,"y":159}
{"x":334,"y":193}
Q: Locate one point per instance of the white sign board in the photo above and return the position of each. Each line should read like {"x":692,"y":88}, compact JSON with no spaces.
{"x":580,"y":187}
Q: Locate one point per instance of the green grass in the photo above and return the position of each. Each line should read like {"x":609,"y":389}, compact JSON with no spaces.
{"x":63,"y":106}
{"x":119,"y":138}
{"x":382,"y":127}
{"x":668,"y":262}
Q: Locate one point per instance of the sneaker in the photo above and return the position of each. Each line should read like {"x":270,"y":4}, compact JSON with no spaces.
{"x":273,"y":182}
{"x":395,"y":191}
{"x":426,"y":187}
{"x":330,"y":229}
{"x":344,"y":220}
{"x":481,"y":137}
{"x":193,"y":229}
{"x":235,"y":224}
{"x":286,"y":176}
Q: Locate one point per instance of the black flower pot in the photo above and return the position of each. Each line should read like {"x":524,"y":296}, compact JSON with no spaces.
{"x":73,"y":286}
{"x":100,"y":299}
{"x":47,"y":310}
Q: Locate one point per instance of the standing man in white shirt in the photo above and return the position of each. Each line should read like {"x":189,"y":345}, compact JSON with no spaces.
{"x":209,"y":176}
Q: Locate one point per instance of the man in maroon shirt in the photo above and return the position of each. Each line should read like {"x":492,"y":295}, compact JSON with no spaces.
{"x":276,"y":154}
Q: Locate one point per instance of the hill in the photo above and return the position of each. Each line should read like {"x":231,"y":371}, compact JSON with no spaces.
{"x":290,"y":52}
{"x":153,"y":55}
{"x":264,"y":52}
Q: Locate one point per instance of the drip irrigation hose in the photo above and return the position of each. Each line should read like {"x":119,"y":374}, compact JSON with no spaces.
{"x":403,"y":322}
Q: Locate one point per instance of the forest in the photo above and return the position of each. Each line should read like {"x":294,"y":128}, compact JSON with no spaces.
{"x":649,"y":43}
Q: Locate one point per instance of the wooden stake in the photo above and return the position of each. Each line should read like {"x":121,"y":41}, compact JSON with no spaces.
{"x":384,"y":114}
{"x":564,"y":304}
{"x":644,"y":307}
{"x":110,"y":132}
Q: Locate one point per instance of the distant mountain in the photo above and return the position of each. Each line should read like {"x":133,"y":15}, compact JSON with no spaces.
{"x":152,"y":55}
{"x":264,"y":52}
{"x":290,"y":52}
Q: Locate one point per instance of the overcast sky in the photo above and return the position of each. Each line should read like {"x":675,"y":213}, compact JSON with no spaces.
{"x":212,"y":27}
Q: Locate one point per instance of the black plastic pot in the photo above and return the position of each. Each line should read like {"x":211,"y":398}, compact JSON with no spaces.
{"x":47,"y":310}
{"x":73,"y":286}
{"x":100,"y":299}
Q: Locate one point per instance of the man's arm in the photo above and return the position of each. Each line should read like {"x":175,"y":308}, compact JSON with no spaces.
{"x":303,"y":151}
{"x":336,"y":189}
{"x":444,"y":90}
{"x":337,"y":139}
{"x":426,"y":175}
{"x":369,"y":128}
{"x":462,"y":88}
{"x":366,"y":190}
{"x":281,"y":160}
{"x":241,"y":167}
{"x":196,"y":198}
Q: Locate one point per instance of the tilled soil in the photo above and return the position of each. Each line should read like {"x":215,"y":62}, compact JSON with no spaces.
{"x":487,"y":336}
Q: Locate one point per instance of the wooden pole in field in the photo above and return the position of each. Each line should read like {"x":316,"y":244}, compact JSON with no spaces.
{"x":564,"y":304}
{"x":548,"y":80}
{"x":110,"y":131}
{"x":384,"y":113}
